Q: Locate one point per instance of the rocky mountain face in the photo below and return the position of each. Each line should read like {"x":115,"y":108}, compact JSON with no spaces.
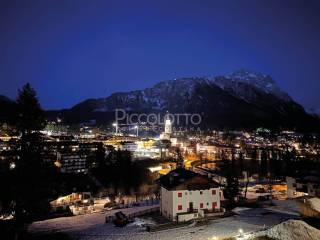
{"x":314,"y":111}
{"x":242,"y":99}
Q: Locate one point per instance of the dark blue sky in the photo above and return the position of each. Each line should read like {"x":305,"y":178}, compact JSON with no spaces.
{"x":71,"y":50}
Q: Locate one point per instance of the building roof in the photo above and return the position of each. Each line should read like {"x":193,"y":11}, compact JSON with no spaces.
{"x":182,"y":179}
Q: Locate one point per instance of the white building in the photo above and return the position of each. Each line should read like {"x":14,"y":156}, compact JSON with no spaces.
{"x":186,"y":195}
{"x":72,"y":163}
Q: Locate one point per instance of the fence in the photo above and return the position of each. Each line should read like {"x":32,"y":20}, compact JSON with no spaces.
{"x":142,"y":212}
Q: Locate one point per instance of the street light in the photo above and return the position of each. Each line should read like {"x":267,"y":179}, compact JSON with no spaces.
{"x":12,"y":165}
{"x":116,"y":126}
{"x":137,"y":128}
{"x":213,"y":238}
{"x":241,"y":232}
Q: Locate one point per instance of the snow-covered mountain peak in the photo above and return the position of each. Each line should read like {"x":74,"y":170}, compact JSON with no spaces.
{"x":180,"y":85}
{"x":262,"y":82}
{"x":246,"y":85}
{"x":259,"y":80}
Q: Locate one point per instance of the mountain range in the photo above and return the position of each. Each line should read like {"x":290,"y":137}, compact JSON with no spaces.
{"x":243,"y":99}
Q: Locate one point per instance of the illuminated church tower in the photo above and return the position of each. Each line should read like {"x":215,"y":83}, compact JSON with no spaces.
{"x":167,"y":128}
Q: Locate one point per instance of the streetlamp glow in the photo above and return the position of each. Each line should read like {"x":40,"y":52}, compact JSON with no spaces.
{"x":213,"y":238}
{"x":12,"y":165}
{"x":116,"y":126}
{"x":241,"y":232}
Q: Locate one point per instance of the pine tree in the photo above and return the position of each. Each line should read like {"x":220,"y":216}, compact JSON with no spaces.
{"x":32,"y":176}
{"x":30,"y":117}
{"x":231,"y":191}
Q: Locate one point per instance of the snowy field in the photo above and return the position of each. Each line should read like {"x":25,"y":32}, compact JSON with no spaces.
{"x":92,"y":226}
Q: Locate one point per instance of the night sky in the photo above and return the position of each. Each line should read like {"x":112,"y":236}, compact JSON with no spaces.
{"x":71,"y":50}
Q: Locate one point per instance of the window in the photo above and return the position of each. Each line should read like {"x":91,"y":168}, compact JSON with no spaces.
{"x":200,"y":192}
{"x":214,"y":192}
{"x":201,"y":205}
{"x":179,"y":194}
{"x":179,"y":207}
{"x":214,"y":205}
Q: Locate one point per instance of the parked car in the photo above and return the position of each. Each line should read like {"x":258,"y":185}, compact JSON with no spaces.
{"x":121,"y":219}
{"x":111,"y":205}
{"x":261,"y":190}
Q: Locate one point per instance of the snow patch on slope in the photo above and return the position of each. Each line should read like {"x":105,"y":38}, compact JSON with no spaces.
{"x":260,"y":81}
{"x":314,"y":203}
{"x":291,"y":230}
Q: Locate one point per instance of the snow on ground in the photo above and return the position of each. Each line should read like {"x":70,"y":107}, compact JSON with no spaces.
{"x":314,"y":203}
{"x":81,"y":222}
{"x":93,"y":226}
{"x":142,"y":222}
{"x":290,"y":206}
{"x":240,"y":209}
{"x":292,"y":230}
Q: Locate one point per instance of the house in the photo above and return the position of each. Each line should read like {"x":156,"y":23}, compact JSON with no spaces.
{"x":186,"y":195}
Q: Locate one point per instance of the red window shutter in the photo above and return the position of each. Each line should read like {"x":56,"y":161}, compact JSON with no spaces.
{"x":179,"y":207}
{"x":201,"y":205}
{"x":214,"y":192}
{"x":179,"y":194}
{"x":214,"y":205}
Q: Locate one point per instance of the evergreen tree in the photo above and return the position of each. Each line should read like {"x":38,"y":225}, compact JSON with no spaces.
{"x":264,"y":164}
{"x":32,"y":177}
{"x":231,"y":191}
{"x":30,"y":117}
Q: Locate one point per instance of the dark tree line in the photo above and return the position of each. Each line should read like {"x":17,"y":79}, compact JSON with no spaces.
{"x":269,"y":164}
{"x":27,"y":184}
{"x":121,"y":175}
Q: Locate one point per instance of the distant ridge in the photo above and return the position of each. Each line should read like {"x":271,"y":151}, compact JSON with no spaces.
{"x":243,"y":99}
